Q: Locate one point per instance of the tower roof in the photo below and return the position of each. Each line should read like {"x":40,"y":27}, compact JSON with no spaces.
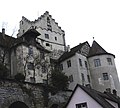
{"x":96,"y":49}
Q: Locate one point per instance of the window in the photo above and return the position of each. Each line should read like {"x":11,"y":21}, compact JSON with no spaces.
{"x":48,"y":20}
{"x":49,"y":27}
{"x":61,"y":66}
{"x":105,"y":76}
{"x":80,"y":62}
{"x":97,"y":62}
{"x":88,"y":77}
{"x":47,"y":36}
{"x":32,"y":79}
{"x":82,"y":105}
{"x":86,"y":64}
{"x":71,"y":78}
{"x":23,"y":31}
{"x":47,"y":44}
{"x":30,"y":66}
{"x":83,"y":78}
{"x":56,"y":38}
{"x":69,"y":63}
{"x":109,"y":60}
{"x":30,"y":51}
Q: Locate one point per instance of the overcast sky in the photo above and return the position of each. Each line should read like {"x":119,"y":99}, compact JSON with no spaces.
{"x":80,"y":19}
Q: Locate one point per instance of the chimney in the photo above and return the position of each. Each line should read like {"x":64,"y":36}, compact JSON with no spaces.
{"x":3,"y":32}
{"x":68,"y":48}
{"x":114,"y":92}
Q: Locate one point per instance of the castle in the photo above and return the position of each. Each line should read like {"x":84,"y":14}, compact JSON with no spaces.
{"x":40,"y":41}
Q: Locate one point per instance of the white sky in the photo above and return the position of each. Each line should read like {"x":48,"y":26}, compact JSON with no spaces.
{"x":80,"y":19}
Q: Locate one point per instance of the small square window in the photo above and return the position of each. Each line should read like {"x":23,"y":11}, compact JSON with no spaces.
{"x":47,"y":36}
{"x":105,"y":76}
{"x":47,"y":44}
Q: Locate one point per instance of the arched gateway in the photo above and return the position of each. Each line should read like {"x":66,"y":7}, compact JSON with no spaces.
{"x":18,"y":104}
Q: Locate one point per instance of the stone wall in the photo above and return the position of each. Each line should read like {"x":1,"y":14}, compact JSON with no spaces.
{"x":10,"y":92}
{"x":31,"y":95}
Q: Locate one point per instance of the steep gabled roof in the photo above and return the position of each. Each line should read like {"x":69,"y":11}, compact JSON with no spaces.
{"x":97,"y":96}
{"x":46,"y":14}
{"x":96,"y":49}
{"x":31,"y":32}
{"x":28,"y":34}
{"x":72,"y":51}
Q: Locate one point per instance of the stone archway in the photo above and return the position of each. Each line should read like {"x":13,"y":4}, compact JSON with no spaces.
{"x":18,"y":104}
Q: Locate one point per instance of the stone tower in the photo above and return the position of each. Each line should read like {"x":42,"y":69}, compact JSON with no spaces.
{"x":102,"y":69}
